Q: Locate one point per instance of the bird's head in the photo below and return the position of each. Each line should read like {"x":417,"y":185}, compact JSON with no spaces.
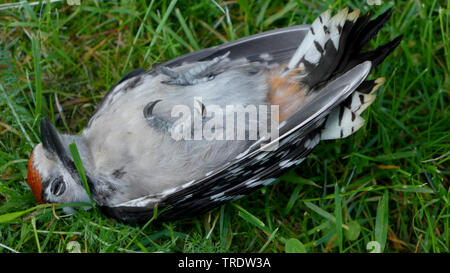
{"x":52,"y":175}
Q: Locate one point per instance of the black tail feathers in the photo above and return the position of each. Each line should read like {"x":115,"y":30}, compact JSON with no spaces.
{"x":354,"y":34}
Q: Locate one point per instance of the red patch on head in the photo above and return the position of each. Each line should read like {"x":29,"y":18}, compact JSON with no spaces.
{"x":34,"y":180}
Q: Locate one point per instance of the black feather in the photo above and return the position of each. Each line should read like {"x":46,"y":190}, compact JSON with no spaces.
{"x":373,"y":27}
{"x":132,"y":74}
{"x":279,"y":43}
{"x":354,"y":36}
{"x":366,"y":87}
{"x":52,"y":142}
{"x":359,"y":35}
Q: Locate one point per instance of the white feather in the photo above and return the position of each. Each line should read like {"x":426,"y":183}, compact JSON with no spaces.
{"x":357,"y":105}
{"x":350,"y":123}
{"x":307,"y":48}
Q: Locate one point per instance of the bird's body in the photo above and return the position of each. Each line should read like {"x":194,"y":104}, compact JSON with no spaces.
{"x":120,"y":133}
{"x":314,"y":75}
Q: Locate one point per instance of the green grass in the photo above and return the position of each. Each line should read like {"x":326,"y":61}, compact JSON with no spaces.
{"x":388,"y":183}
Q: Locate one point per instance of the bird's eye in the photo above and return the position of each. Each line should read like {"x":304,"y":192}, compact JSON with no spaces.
{"x":58,"y":186}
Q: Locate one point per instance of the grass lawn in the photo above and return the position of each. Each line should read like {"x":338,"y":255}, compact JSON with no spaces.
{"x":386,"y":188}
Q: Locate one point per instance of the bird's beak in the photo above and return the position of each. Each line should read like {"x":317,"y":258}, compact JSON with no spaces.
{"x":34,"y":180}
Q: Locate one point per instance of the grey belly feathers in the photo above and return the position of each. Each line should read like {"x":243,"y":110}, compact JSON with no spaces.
{"x":146,"y":159}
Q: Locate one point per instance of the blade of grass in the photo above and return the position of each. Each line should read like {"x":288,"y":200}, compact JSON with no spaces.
{"x":79,"y":165}
{"x":270,"y":239}
{"x":323,"y":213}
{"x":159,"y":28}
{"x":33,"y":223}
{"x":186,"y":30}
{"x":381,"y":223}
{"x":338,"y":215}
{"x":5,"y":218}
{"x":280,"y":14}
{"x":36,"y":46}
{"x":8,"y":248}
{"x":292,"y":199}
{"x":16,"y":116}
{"x":250,"y":218}
{"x":136,"y":37}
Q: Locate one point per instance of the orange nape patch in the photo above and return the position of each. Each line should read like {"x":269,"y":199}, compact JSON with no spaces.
{"x":34,"y":180}
{"x":285,"y":90}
